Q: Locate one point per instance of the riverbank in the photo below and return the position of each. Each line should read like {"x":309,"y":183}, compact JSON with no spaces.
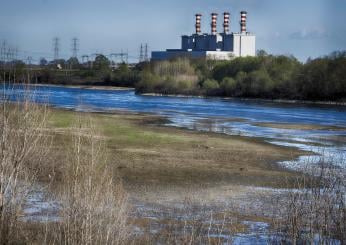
{"x":147,"y":153}
{"x":175,"y":177}
{"x":112,"y":88}
{"x":164,"y":169}
{"x":308,"y":102}
{"x":92,"y":87}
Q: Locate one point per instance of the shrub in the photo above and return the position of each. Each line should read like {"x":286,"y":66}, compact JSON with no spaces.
{"x":228,"y":86}
{"x":23,"y":151}
{"x":94,"y":206}
{"x":210,"y":84}
{"x":314,"y":212}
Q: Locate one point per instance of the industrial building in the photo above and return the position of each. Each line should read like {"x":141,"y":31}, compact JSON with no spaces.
{"x":218,"y":46}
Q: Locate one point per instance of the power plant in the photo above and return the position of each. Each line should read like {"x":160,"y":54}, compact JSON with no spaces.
{"x":217,"y":46}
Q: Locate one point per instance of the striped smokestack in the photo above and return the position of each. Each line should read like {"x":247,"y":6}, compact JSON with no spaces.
{"x":214,"y":23}
{"x":198,"y":23}
{"x":243,"y":21}
{"x":226,"y":23}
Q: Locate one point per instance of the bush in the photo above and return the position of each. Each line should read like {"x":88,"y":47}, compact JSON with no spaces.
{"x":168,"y":77}
{"x":210,"y":84}
{"x":315,"y":211}
{"x":87,"y":73}
{"x":24,"y":151}
{"x":260,"y":84}
{"x":228,"y":86}
{"x":211,"y":87}
{"x":231,"y":68}
{"x":147,"y":83}
{"x":94,"y":207}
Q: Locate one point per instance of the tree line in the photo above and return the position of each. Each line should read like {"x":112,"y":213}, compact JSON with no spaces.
{"x":100,"y":71}
{"x":264,"y":76}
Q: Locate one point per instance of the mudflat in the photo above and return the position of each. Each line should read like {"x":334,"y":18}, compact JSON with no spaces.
{"x":144,"y":152}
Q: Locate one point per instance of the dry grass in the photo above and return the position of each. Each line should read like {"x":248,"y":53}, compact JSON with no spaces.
{"x":23,"y":150}
{"x":315,"y":211}
{"x":168,"y":162}
{"x":147,"y":154}
{"x":94,"y":206}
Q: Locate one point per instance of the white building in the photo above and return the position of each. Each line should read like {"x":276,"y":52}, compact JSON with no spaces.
{"x":218,"y":46}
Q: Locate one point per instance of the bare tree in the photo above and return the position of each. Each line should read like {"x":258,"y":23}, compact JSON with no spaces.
{"x":23,"y":144}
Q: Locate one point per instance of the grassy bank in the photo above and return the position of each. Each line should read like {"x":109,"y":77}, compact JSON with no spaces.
{"x":211,"y":176}
{"x":146,"y":153}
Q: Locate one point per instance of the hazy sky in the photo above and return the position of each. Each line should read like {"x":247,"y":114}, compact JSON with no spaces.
{"x":303,"y":28}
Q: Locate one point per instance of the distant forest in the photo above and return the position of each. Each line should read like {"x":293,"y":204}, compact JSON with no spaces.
{"x":264,"y":76}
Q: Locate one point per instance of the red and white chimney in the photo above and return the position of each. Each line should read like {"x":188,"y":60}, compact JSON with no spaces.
{"x":198,"y":23}
{"x":226,"y":22}
{"x":214,"y":23}
{"x":243,"y":15}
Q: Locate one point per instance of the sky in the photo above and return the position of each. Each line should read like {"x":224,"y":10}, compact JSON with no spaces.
{"x":303,"y":28}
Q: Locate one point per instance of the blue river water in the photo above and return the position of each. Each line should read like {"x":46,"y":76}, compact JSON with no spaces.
{"x":229,"y":116}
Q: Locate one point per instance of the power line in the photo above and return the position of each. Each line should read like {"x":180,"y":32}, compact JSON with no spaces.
{"x":124,"y":57}
{"x":9,"y":53}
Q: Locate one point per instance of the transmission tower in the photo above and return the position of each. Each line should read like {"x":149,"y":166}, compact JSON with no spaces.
{"x":56,"y":46}
{"x":15,"y":56}
{"x":146,"y":57}
{"x":141,"y":56}
{"x":9,"y":54}
{"x":2,"y":51}
{"x":75,"y":43}
{"x":124,"y":56}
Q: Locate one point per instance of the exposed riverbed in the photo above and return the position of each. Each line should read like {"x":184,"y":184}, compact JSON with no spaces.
{"x":319,"y":130}
{"x":315,"y":128}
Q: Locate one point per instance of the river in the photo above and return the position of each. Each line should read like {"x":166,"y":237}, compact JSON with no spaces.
{"x":315,"y":128}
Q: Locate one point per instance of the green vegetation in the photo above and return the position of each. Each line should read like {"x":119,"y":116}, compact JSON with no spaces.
{"x":265,"y":76}
{"x":147,"y":153}
{"x":101,"y":71}
{"x":168,"y":77}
